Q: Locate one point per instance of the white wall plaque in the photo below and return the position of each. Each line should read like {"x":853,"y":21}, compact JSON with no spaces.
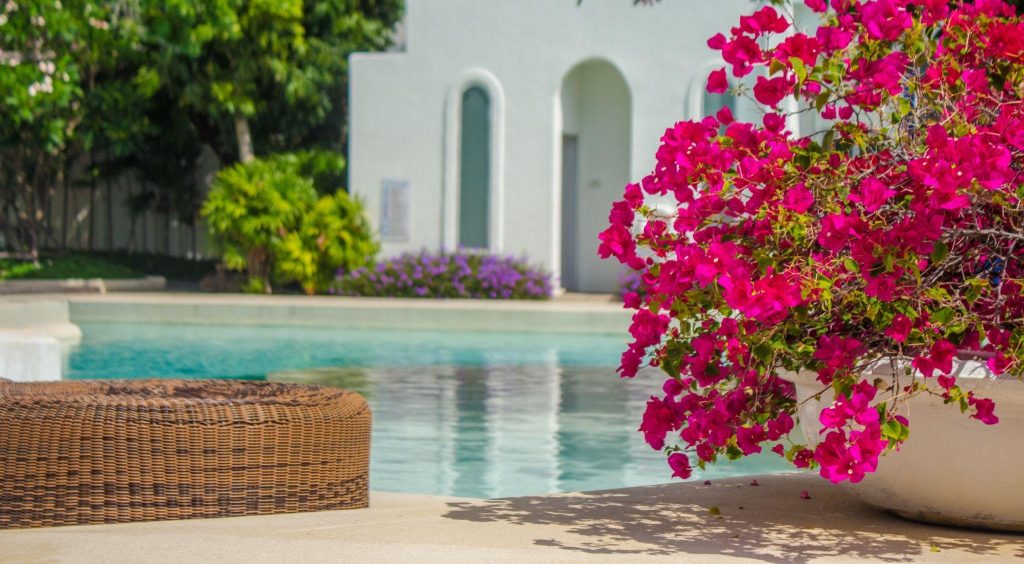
{"x":394,"y":211}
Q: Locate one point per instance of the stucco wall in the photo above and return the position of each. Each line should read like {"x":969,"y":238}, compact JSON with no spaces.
{"x":399,"y":100}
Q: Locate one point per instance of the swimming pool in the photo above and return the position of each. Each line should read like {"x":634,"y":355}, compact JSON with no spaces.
{"x":471,"y":414}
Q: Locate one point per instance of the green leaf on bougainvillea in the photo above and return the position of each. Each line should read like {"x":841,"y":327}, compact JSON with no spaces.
{"x":937,"y":294}
{"x":942,"y":315}
{"x":828,"y":139}
{"x":762,"y":352}
{"x":904,"y":104}
{"x":939,"y":252}
{"x":895,"y":431}
{"x":820,"y":103}
{"x":799,"y":68}
{"x":674,"y":352}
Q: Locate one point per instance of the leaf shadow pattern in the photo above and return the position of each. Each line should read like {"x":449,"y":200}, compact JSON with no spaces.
{"x":769,"y":522}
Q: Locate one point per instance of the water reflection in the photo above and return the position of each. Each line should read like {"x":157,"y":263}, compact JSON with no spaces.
{"x":496,"y":431}
{"x":464,"y":413}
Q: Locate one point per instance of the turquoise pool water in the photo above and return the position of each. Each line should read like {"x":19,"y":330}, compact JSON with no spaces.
{"x":455,"y":413}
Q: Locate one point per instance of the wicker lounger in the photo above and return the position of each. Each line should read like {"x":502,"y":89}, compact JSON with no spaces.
{"x":118,"y":451}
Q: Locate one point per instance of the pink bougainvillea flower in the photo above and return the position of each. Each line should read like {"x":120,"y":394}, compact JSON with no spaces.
{"x":799,"y":46}
{"x":934,"y":11}
{"x":647,"y":327}
{"x":771,"y":91}
{"x":817,"y":5}
{"x":872,"y":194}
{"x":747,"y":439}
{"x":842,"y":458}
{"x":633,"y":196}
{"x":984,"y":410}
{"x":617,"y":241}
{"x":900,"y":328}
{"x":798,"y":199}
{"x":883,"y":286}
{"x":833,"y":39}
{"x":837,"y":354}
{"x":779,"y":427}
{"x":630,"y":362}
{"x":803,"y":458}
{"x":659,"y":418}
{"x":724,"y":116}
{"x":717,"y":82}
{"x":717,"y":42}
{"x":836,"y":230}
{"x":946,"y":382}
{"x":680,"y":465}
{"x":621,"y":214}
{"x":742,"y":52}
{"x":765,"y":20}
{"x":939,"y":357}
{"x":885,"y":19}
{"x":631,"y":300}
{"x":998,"y":363}
{"x":773,"y":122}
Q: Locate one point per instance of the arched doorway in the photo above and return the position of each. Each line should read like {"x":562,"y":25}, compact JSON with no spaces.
{"x":595,"y":154}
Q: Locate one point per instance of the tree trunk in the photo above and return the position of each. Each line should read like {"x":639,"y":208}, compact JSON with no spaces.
{"x":244,"y":139}
{"x":258,"y":265}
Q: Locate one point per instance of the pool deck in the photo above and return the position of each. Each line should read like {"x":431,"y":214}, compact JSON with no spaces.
{"x":570,"y":313}
{"x":727,"y":521}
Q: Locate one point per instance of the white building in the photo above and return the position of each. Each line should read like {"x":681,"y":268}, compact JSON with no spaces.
{"x":511,"y":125}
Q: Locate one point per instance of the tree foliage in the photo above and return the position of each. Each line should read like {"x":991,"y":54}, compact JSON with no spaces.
{"x":144,"y":85}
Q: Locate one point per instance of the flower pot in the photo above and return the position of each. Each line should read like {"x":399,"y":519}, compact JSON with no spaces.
{"x":952,"y":470}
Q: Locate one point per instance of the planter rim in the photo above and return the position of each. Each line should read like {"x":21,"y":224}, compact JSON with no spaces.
{"x":967,"y":368}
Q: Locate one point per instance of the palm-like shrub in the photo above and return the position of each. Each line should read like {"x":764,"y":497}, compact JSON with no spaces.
{"x":265,"y":218}
{"x":333,"y":235}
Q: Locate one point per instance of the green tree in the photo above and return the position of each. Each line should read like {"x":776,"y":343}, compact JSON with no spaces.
{"x":145,"y":84}
{"x":277,"y":64}
{"x":64,"y":90}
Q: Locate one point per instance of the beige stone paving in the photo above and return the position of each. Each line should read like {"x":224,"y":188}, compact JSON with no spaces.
{"x":671,"y":523}
{"x":564,"y":302}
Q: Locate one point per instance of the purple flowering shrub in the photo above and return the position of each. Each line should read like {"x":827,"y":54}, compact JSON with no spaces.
{"x":447,"y":275}
{"x":631,"y":286}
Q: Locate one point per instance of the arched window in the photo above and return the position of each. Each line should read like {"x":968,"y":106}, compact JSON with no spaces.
{"x":475,"y":169}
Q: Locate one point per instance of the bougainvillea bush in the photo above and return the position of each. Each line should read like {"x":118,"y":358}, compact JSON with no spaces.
{"x":461,"y":274}
{"x":894,"y":235}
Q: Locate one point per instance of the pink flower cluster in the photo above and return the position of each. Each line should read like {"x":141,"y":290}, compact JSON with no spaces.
{"x":896,"y":235}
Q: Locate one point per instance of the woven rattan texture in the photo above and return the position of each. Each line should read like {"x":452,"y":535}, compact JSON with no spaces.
{"x":118,"y":451}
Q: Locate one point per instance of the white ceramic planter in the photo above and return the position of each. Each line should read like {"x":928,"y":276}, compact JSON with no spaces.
{"x":952,"y":470}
